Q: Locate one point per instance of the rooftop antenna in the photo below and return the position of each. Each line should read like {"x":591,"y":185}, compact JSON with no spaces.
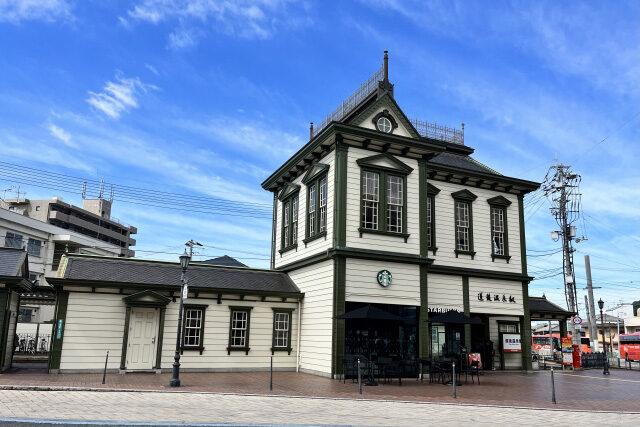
{"x":101,"y":189}
{"x":84,"y":190}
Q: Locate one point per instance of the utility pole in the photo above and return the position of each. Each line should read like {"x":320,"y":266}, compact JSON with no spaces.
{"x":591,"y":307}
{"x":562,"y":191}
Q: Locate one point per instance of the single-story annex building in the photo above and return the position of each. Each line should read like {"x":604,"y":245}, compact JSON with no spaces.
{"x":234,"y":318}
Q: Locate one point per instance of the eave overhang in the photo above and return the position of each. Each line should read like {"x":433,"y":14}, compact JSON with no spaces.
{"x":59,"y":283}
{"x":480,"y":179}
{"x":350,"y":135}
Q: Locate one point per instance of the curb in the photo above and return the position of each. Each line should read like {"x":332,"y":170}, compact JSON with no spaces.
{"x":479,"y":405}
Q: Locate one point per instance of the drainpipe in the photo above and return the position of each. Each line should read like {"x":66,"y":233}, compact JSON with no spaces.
{"x":299,"y":328}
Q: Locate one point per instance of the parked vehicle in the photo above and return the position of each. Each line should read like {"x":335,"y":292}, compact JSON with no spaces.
{"x":630,"y":346}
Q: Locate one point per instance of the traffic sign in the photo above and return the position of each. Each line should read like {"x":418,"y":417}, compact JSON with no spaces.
{"x":577,"y":320}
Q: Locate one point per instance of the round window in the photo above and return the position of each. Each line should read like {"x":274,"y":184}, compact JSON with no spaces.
{"x":384,"y":125}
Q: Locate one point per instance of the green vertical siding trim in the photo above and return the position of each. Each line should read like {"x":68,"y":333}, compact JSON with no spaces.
{"x":125,"y":339}
{"x":4,"y":325}
{"x":423,"y":326}
{"x":339,"y":285}
{"x":161,"y":335}
{"x":467,"y":311}
{"x":422,"y":203}
{"x":61,"y":315}
{"x":523,"y":241}
{"x":340,"y":196}
{"x":525,"y":329}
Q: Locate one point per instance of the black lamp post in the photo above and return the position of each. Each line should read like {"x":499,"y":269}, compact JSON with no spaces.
{"x":604,"y":341}
{"x":184,"y":263}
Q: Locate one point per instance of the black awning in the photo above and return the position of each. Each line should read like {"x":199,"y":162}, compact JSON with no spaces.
{"x":453,"y":316}
{"x":369,"y":312}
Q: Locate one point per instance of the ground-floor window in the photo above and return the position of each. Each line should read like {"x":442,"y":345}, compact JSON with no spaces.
{"x":239,"y":329}
{"x":281,"y":330}
{"x":193,"y":327}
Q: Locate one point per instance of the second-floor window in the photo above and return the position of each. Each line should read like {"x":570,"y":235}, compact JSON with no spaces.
{"x":317,"y":206}
{"x":370,"y":199}
{"x":33,"y":247}
{"x":430,"y":222}
{"x":497,"y":231}
{"x":290,"y":222}
{"x":394,"y":203}
{"x":463,"y":225}
{"x":13,"y":240}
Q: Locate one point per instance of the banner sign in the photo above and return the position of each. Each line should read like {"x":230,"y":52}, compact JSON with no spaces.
{"x":488,"y":296}
{"x":475,"y":356}
{"x":567,"y":351}
{"x":185,"y":291}
{"x":59,"y":329}
{"x":511,"y":343}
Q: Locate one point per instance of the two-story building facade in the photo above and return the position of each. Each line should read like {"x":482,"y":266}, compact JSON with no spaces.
{"x":377,"y":209}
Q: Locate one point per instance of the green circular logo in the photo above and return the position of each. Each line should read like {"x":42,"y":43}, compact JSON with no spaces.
{"x":384,"y":278}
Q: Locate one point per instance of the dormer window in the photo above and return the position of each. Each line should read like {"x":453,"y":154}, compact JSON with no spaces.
{"x":384,"y":122}
{"x":384,"y":125}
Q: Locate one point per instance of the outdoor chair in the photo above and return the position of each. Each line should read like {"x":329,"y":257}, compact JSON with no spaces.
{"x":349,"y":367}
{"x":435,"y":372}
{"x":475,"y":370}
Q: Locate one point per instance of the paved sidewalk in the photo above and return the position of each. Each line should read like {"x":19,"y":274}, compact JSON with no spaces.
{"x":588,"y":390}
{"x":155,"y":407}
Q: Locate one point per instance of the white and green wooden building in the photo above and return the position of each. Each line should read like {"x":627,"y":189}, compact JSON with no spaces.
{"x":379,"y":209}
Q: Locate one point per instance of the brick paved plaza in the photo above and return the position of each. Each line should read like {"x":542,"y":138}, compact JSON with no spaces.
{"x":245,"y":398}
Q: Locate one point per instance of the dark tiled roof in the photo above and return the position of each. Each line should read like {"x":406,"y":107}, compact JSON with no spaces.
{"x":11,"y":261}
{"x":543,"y":305}
{"x":225,"y":260}
{"x":462,"y":162}
{"x":120,"y":270}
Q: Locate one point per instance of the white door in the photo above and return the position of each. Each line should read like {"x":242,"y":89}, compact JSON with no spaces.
{"x":143,"y":335}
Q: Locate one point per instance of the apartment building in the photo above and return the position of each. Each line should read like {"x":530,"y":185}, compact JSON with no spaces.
{"x":93,"y":219}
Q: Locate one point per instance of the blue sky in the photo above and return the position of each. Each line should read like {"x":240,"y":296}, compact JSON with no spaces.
{"x":208,"y":97}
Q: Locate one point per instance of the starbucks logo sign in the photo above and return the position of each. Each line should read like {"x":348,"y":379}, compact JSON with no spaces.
{"x":384,"y":278}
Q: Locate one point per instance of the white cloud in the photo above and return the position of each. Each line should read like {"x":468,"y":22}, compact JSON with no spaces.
{"x":182,"y":39}
{"x":119,"y":96}
{"x":16,"y":11}
{"x":151,"y":68}
{"x":250,"y":19}
{"x":61,"y":134}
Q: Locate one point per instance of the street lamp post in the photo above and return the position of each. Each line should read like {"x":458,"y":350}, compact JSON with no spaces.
{"x":604,"y":341}
{"x":184,"y":263}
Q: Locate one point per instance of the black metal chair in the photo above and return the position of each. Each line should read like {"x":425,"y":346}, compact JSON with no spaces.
{"x":435,"y":372}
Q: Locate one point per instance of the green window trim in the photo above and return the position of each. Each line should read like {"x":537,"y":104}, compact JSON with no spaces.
{"x":501,"y":203}
{"x":313,"y":185}
{"x":432,"y":191}
{"x":292,"y":233}
{"x":383,"y":174}
{"x":245,"y":348}
{"x":288,"y":348}
{"x":467,"y":197}
{"x":200,"y":347}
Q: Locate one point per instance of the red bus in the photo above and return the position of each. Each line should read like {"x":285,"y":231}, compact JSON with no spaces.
{"x":629,"y":346}
{"x":540,"y":344}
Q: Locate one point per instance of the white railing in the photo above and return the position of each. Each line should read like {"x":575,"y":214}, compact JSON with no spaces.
{"x":365,"y":89}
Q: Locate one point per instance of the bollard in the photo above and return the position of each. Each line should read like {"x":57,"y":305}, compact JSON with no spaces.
{"x":359,"y":379}
{"x":453,"y":380}
{"x":553,"y":388}
{"x":271,"y":374}
{"x":618,"y":363}
{"x":104,"y":374}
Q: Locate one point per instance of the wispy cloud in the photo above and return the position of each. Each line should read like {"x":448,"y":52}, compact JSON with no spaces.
{"x":61,"y":134}
{"x":250,"y":19}
{"x":119,"y":96}
{"x":151,"y":68}
{"x":16,"y":11}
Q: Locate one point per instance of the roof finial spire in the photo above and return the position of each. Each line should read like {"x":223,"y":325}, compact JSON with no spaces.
{"x":310,"y":130}
{"x":385,"y":67}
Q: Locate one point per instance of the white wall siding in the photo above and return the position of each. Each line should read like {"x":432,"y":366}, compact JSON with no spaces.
{"x":94,"y":324}
{"x":315,"y":246}
{"x":362,"y":282}
{"x":501,"y":288}
{"x":316,"y":281}
{"x":445,"y":292}
{"x":216,"y":338}
{"x":445,"y":230}
{"x":375,"y":241}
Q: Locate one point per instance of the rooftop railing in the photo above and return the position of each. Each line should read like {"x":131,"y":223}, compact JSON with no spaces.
{"x":439,"y":132}
{"x":365,"y":89}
